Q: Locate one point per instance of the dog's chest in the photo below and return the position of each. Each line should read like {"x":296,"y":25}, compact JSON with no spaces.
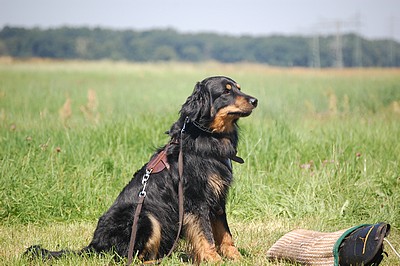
{"x":219,"y":183}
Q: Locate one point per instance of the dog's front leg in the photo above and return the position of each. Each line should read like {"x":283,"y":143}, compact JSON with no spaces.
{"x":223,"y":237}
{"x":198,"y":233}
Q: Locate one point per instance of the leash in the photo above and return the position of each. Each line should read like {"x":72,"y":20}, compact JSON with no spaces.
{"x":134,"y":229}
{"x":180,"y":189}
{"x":156,"y":165}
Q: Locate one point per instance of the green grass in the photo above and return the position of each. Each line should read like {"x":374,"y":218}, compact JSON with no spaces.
{"x":321,"y":150}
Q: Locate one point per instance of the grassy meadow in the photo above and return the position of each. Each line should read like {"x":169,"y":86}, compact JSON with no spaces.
{"x":321,"y":151}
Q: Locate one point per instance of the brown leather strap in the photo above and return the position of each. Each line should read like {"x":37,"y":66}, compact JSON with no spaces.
{"x":158,"y":163}
{"x":180,"y":198}
{"x":180,"y":162}
{"x":134,"y":229}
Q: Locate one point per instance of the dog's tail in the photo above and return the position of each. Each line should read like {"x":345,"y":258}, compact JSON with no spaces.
{"x":37,"y":252}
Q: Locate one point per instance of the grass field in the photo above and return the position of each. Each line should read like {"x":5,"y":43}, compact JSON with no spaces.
{"x":321,"y":150}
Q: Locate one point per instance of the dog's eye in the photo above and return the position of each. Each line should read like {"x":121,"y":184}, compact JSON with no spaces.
{"x":228,"y":88}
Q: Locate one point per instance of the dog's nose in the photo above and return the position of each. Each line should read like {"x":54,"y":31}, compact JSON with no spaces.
{"x":254,"y":102}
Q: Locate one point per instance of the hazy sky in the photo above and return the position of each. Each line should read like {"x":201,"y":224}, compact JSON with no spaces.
{"x":371,"y":18}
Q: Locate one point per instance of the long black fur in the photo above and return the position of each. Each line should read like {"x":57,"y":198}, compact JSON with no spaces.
{"x":206,"y":151}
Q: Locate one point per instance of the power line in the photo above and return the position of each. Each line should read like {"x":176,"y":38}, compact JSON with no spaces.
{"x":338,"y":26}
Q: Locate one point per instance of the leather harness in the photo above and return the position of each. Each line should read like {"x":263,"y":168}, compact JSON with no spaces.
{"x":156,"y":165}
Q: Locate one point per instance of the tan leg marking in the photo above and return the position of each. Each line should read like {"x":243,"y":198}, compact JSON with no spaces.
{"x":201,"y":248}
{"x":224,"y":241}
{"x":153,"y":243}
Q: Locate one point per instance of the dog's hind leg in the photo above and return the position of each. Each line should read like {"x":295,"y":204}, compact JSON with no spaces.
{"x":198,"y":232}
{"x":223,"y":237}
{"x":152,"y":245}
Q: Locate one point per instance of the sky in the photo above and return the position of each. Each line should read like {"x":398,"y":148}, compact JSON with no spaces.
{"x":373,"y":19}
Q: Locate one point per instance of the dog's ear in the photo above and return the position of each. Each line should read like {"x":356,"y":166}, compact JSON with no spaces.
{"x":198,"y":104}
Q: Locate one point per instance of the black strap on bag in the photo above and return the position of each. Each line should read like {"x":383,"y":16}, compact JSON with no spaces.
{"x":361,"y":245}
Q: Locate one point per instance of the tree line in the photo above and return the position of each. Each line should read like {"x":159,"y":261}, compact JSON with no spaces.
{"x":349,"y":50}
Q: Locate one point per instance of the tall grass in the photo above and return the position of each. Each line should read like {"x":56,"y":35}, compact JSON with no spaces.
{"x":321,"y":150}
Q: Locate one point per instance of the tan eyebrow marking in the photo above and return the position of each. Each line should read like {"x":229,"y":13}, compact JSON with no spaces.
{"x":238,"y":86}
{"x":228,"y":86}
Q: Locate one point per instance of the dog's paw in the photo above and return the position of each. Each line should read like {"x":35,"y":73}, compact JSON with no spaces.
{"x":208,"y":255}
{"x":212,"y":258}
{"x":230,"y":252}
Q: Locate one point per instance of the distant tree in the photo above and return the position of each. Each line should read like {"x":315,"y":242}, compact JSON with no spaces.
{"x":164,"y":53}
{"x":3,"y":48}
{"x":191,"y":53}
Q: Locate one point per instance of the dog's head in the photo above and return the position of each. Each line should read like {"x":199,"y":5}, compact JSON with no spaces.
{"x":217,"y":103}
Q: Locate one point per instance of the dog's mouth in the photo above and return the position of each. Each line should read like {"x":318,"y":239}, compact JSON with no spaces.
{"x":240,"y":113}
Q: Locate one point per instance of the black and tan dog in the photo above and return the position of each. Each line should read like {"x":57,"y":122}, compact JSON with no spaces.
{"x":209,"y":140}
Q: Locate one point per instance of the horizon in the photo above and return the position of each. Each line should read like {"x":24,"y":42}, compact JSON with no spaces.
{"x":288,"y":35}
{"x":367,"y":18}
